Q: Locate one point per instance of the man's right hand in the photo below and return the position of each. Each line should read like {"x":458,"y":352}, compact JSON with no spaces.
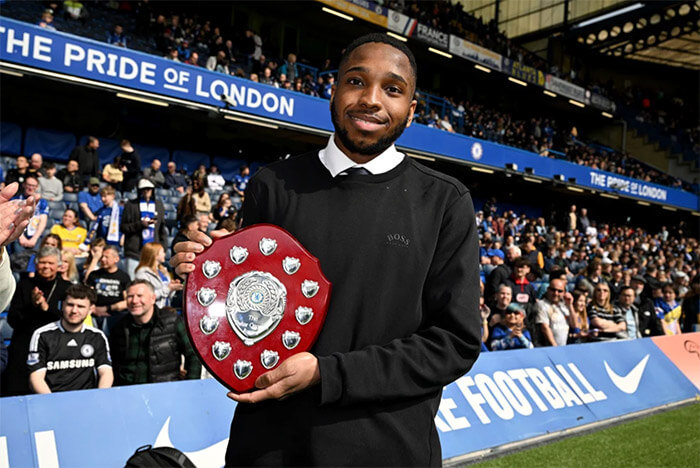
{"x":14,"y":217}
{"x":185,"y":252}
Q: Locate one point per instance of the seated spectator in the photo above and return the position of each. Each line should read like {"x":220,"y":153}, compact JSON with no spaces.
{"x":185,"y":206}
{"x":49,"y":240}
{"x":159,"y":336}
{"x":172,"y":54}
{"x":151,"y":268}
{"x":215,"y":180}
{"x":46,"y":20}
{"x":51,"y":187}
{"x":18,"y":173}
{"x":109,"y":283}
{"x":203,"y":221}
{"x":88,"y":159}
{"x":117,"y":37}
{"x":501,"y":301}
{"x":175,"y":180}
{"x":200,"y":173}
{"x":64,"y":342}
{"x":70,"y":177}
{"x":113,"y":174}
{"x":578,"y":320}
{"x":485,"y":312}
{"x":36,"y":165}
{"x":90,"y":202}
{"x":69,"y":272}
{"x":189,"y":224}
{"x":552,"y":315}
{"x":35,"y":304}
{"x":240,"y":183}
{"x":143,"y":222}
{"x":668,"y":310}
{"x":606,"y":323}
{"x":95,"y":249}
{"x":267,"y":77}
{"x":223,"y":209}
{"x":511,"y":332}
{"x":130,"y":165}
{"x":328,"y":84}
{"x":72,"y":234}
{"x":193,"y":60}
{"x":153,"y":173}
{"x":184,"y":51}
{"x":523,"y":292}
{"x":35,"y":229}
{"x":202,"y":201}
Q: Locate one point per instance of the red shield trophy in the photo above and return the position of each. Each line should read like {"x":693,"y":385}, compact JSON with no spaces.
{"x":255,"y":298}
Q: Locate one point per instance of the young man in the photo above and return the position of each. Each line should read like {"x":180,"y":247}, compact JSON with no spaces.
{"x":404,"y":317}
{"x":70,"y":177}
{"x":108,"y":218}
{"x":67,"y":354}
{"x":51,"y":187}
{"x":20,"y":172}
{"x":149,"y":343}
{"x":88,"y":159}
{"x":109,"y":283}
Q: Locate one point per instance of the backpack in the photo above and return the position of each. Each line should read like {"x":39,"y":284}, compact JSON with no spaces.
{"x":149,"y":457}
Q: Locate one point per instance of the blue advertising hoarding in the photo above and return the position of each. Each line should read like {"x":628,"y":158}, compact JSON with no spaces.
{"x":508,"y":396}
{"x":30,"y":46}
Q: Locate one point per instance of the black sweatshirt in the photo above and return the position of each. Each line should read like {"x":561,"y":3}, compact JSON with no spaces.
{"x":401,"y":251}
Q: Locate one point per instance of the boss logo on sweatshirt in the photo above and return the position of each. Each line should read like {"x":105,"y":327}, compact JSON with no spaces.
{"x":397,"y":240}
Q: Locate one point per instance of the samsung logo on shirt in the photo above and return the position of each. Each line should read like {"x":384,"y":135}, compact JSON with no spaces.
{"x":70,"y":364}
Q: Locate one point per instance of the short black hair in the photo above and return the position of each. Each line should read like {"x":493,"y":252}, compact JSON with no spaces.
{"x":81,"y":291}
{"x":383,"y":39}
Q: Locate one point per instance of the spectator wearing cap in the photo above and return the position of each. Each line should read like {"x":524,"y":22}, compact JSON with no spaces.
{"x":46,"y":20}
{"x":496,"y":257}
{"x":523,"y":292}
{"x":498,"y":275}
{"x":511,"y":332}
{"x":88,"y":159}
{"x":142,"y":222}
{"x":552,"y":315}
{"x":90,"y":202}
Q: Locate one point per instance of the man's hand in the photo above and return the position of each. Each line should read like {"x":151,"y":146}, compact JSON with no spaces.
{"x":39,"y":300}
{"x":14,"y":216}
{"x":295,"y":374}
{"x":185,"y":251}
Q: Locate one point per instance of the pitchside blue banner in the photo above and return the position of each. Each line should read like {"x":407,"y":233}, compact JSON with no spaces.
{"x":32,"y":46}
{"x":508,"y":396}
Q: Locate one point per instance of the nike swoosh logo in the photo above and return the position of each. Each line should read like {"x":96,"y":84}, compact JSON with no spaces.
{"x":630,"y":382}
{"x":213,"y":455}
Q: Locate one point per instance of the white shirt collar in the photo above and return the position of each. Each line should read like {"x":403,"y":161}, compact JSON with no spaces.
{"x":335,"y":161}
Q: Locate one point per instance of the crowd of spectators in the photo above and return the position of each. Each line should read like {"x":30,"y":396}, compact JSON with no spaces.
{"x":552,"y":285}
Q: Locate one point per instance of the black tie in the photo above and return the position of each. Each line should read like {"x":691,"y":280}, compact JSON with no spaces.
{"x":356,"y":171}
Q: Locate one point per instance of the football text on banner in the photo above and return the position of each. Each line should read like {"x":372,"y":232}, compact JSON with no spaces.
{"x":527,"y":393}
{"x":363,"y":9}
{"x":475,"y":53}
{"x":523,"y":72}
{"x":567,"y":89}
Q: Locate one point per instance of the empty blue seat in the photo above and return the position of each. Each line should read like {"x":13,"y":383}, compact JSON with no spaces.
{"x":69,"y":197}
{"x":56,"y":206}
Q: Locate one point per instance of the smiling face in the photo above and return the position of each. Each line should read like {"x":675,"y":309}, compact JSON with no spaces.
{"x":140,"y":300}
{"x":75,"y":310}
{"x":372,"y":102}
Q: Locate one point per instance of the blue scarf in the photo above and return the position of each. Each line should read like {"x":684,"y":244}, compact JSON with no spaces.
{"x":148,"y":210}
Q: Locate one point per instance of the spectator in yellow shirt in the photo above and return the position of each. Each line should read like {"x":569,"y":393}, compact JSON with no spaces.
{"x":70,"y":232}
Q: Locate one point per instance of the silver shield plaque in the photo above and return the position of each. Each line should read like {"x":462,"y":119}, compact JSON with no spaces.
{"x":255,"y":305}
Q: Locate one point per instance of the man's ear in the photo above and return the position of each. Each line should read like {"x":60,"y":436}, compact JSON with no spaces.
{"x":411,"y":112}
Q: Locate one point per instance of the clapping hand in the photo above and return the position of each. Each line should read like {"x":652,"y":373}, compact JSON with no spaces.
{"x":14,"y":215}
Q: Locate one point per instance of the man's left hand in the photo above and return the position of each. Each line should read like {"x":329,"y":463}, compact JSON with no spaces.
{"x":295,"y":374}
{"x":14,"y":217}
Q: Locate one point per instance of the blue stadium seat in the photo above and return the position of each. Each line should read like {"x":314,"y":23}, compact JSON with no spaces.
{"x":69,"y":197}
{"x":10,"y":138}
{"x":52,"y":144}
{"x":56,"y":206}
{"x":171,"y":218}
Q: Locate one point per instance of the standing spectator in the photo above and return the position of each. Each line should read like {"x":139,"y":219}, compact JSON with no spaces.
{"x":143,"y":222}
{"x":511,"y":332}
{"x":215,"y":180}
{"x":572,"y":219}
{"x":625,"y":307}
{"x":185,"y":206}
{"x":175,"y":180}
{"x":148,"y":344}
{"x":583,"y":221}
{"x":35,"y":229}
{"x":502,"y":300}
{"x":51,"y":187}
{"x":202,"y":201}
{"x":70,"y":177}
{"x":71,"y":233}
{"x":153,"y":173}
{"x":523,"y":292}
{"x":108,"y":221}
{"x":668,"y":310}
{"x":54,"y":347}
{"x":240,"y":183}
{"x":690,"y":307}
{"x":20,"y":172}
{"x":88,"y":159}
{"x":189,"y":224}
{"x":113,"y":174}
{"x":578,"y":320}
{"x":117,"y":37}
{"x":109,"y":283}
{"x":648,"y":322}
{"x":130,"y":165}
{"x":35,"y":303}
{"x":172,"y":54}
{"x":90,"y":202}
{"x":606,"y":324}
{"x":46,"y":20}
{"x":289,"y":68}
{"x":36,"y":164}
{"x":552,"y":315}
{"x":327,"y":90}
{"x":152,"y":270}
{"x":498,"y":275}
